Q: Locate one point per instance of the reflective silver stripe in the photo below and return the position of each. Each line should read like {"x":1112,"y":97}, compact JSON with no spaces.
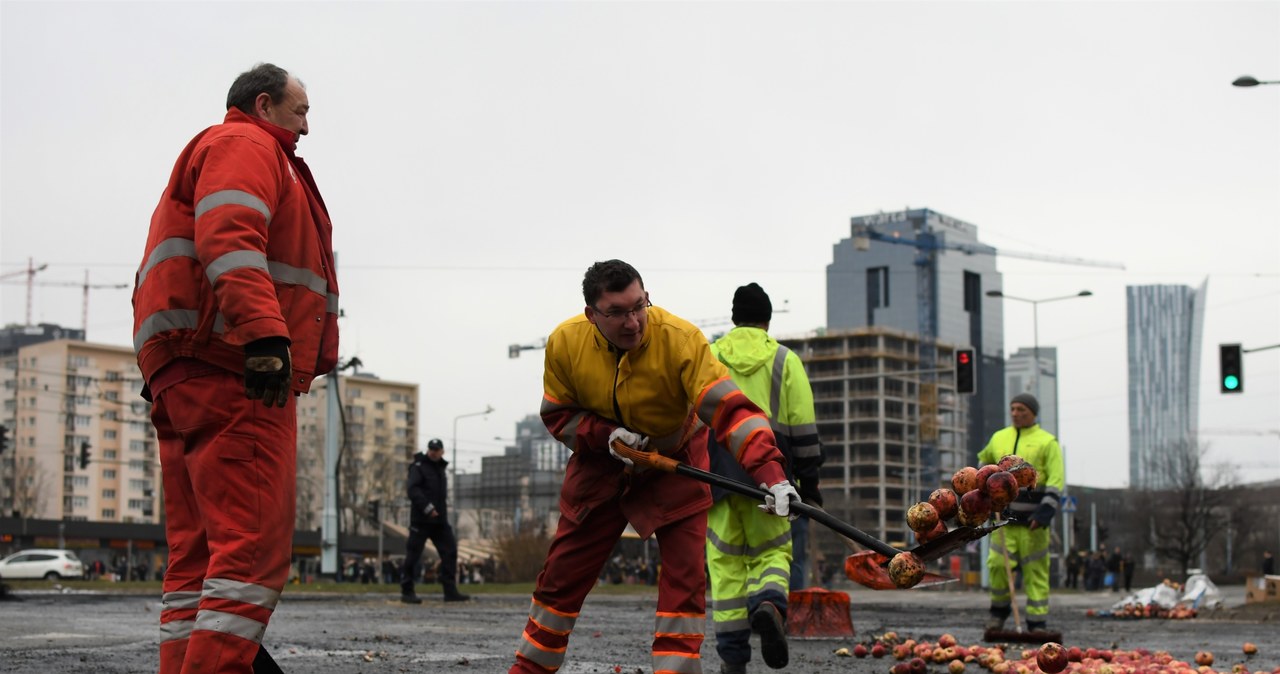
{"x":1037,"y":603}
{"x":735,"y":625}
{"x":737,"y":550}
{"x":549,"y":406}
{"x":230,"y":623}
{"x":1000,"y":600}
{"x":781,"y":587}
{"x":713,"y":397}
{"x":550,"y":659}
{"x":245,"y":593}
{"x":738,"y":437}
{"x":676,"y":663}
{"x":674,"y":624}
{"x":175,"y":247}
{"x":569,"y":434}
{"x":779,"y":540}
{"x":775,"y":392}
{"x":180,"y":600}
{"x":176,"y":630}
{"x":170,"y":319}
{"x":551,"y":621}
{"x":728,"y":603}
{"x":331,"y":303}
{"x":298,"y":276}
{"x":235,"y":260}
{"x":232,"y":197}
{"x":1039,"y":554}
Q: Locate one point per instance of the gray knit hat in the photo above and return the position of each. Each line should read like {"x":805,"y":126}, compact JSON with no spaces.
{"x":1028,"y":400}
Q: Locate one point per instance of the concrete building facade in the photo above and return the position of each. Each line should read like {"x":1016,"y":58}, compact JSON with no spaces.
{"x":1165,"y":323}
{"x":872,"y":424}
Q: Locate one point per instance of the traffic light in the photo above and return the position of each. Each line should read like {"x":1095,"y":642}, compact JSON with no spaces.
{"x":84,"y":455}
{"x":1231,"y":368}
{"x":373,"y":509}
{"x":965,"y":381}
{"x":4,"y":438}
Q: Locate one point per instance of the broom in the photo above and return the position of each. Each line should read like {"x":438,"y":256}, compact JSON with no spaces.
{"x":1017,"y":635}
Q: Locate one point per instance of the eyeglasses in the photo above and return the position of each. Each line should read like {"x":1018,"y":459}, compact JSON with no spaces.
{"x":622,"y":315}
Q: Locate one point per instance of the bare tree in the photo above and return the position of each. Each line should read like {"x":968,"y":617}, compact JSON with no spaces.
{"x":29,"y":484}
{"x":1184,"y":517}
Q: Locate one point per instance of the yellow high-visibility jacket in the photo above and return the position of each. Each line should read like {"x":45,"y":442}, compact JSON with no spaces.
{"x":669,"y":388}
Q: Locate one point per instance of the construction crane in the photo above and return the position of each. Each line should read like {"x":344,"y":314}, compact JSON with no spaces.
{"x":85,"y":286}
{"x":30,"y":273}
{"x":927,"y":244}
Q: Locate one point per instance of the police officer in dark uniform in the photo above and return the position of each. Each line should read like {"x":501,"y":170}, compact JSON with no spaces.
{"x":429,"y":519}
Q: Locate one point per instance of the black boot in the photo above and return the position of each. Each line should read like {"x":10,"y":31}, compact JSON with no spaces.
{"x":451,"y":593}
{"x":407,"y":595}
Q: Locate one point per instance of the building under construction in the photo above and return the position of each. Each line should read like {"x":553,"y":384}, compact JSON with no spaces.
{"x":876,"y":408}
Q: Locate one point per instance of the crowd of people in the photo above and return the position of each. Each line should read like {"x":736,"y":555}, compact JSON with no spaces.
{"x":1101,"y":570}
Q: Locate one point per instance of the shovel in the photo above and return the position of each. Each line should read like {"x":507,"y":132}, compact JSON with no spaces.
{"x":867,"y":568}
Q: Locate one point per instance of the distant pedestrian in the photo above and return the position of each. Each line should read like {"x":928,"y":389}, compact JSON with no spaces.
{"x":1074,"y":562}
{"x":429,"y":520}
{"x":1128,"y":566}
{"x":1114,"y":569}
{"x":1268,"y":563}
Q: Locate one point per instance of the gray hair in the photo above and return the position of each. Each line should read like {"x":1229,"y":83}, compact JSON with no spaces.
{"x":264,"y":78}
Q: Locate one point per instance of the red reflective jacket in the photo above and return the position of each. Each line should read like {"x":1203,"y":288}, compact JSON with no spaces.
{"x":240,"y":248}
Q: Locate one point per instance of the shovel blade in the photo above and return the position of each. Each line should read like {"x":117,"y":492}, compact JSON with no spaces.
{"x":869,"y":569}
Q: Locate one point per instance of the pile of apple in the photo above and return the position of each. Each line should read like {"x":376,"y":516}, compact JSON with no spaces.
{"x":976,"y":494}
{"x":1133,"y":611}
{"x":915,"y":657}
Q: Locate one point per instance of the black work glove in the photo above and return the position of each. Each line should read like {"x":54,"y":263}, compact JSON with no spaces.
{"x":1043,"y":515}
{"x":809,"y":493}
{"x":267,"y":371}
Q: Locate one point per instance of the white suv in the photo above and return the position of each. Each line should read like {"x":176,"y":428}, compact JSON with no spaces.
{"x":51,"y":564}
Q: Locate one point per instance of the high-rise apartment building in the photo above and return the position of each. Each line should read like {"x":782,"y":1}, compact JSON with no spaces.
{"x":66,"y":399}
{"x":1164,"y":324}
{"x":1021,"y":376}
{"x":380,"y":418}
{"x":901,"y":271}
{"x":869,"y":403}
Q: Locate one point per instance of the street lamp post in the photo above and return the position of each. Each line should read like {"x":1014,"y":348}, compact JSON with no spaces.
{"x":1251,"y":81}
{"x":1035,"y":327}
{"x":453,"y":468}
{"x":1035,"y":385}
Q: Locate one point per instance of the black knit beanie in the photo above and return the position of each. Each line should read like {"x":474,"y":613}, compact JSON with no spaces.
{"x":1028,"y":400}
{"x":751,"y":305}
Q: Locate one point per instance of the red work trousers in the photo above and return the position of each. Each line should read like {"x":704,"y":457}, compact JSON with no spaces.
{"x":578,"y":554}
{"x":229,"y":467}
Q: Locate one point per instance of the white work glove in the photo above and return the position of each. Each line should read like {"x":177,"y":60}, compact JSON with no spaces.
{"x":778,"y":502}
{"x":629,"y":438}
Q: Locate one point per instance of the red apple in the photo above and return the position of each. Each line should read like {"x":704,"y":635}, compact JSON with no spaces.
{"x":1249,"y":648}
{"x":945,"y":502}
{"x":937,"y":531}
{"x":1009,"y":461}
{"x":965,"y":480}
{"x":1204,"y":658}
{"x":984,"y":473}
{"x":946,"y":641}
{"x":922,"y":517}
{"x":955,"y":667}
{"x":860,"y":651}
{"x":877,"y":650}
{"x":1002,"y":487}
{"x":1052,"y":658}
{"x":905,"y":570}
{"x":975,"y":508}
{"x":917,"y":666}
{"x":1026,"y":474}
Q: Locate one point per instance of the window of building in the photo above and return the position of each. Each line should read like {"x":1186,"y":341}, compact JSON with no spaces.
{"x":80,"y":480}
{"x":108,"y":513}
{"x":112,"y":395}
{"x":109,"y":474}
{"x":877,"y":287}
{"x":138,"y":504}
{"x":109,"y":434}
{"x":972,"y":292}
{"x":109,"y":454}
{"x":113,"y":375}
{"x":82,"y":420}
{"x":380,"y":405}
{"x":108,"y":493}
{"x":77,"y":361}
{"x":79,"y":501}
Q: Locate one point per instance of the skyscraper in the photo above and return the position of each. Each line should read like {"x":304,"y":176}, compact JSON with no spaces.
{"x":1165,"y":324}
{"x":902,"y":271}
{"x":1020,"y":376}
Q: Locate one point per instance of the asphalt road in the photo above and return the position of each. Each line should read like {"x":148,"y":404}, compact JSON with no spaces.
{"x":50,"y":631}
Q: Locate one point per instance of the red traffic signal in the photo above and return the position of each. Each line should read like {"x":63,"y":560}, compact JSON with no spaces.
{"x":966,"y":382}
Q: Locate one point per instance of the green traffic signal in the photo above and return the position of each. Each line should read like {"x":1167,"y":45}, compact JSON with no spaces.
{"x":1230,"y":382}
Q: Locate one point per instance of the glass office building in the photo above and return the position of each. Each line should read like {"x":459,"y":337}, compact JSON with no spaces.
{"x":1165,"y":324}
{"x":922,"y":272}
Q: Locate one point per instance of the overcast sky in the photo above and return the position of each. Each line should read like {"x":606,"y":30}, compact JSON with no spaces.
{"x":477,"y":157}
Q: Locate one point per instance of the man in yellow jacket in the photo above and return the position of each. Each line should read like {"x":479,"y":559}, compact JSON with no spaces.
{"x":751,"y":555}
{"x":626,"y":370}
{"x":1026,"y":538}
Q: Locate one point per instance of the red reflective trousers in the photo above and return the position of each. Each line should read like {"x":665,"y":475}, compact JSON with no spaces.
{"x":229,"y":467}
